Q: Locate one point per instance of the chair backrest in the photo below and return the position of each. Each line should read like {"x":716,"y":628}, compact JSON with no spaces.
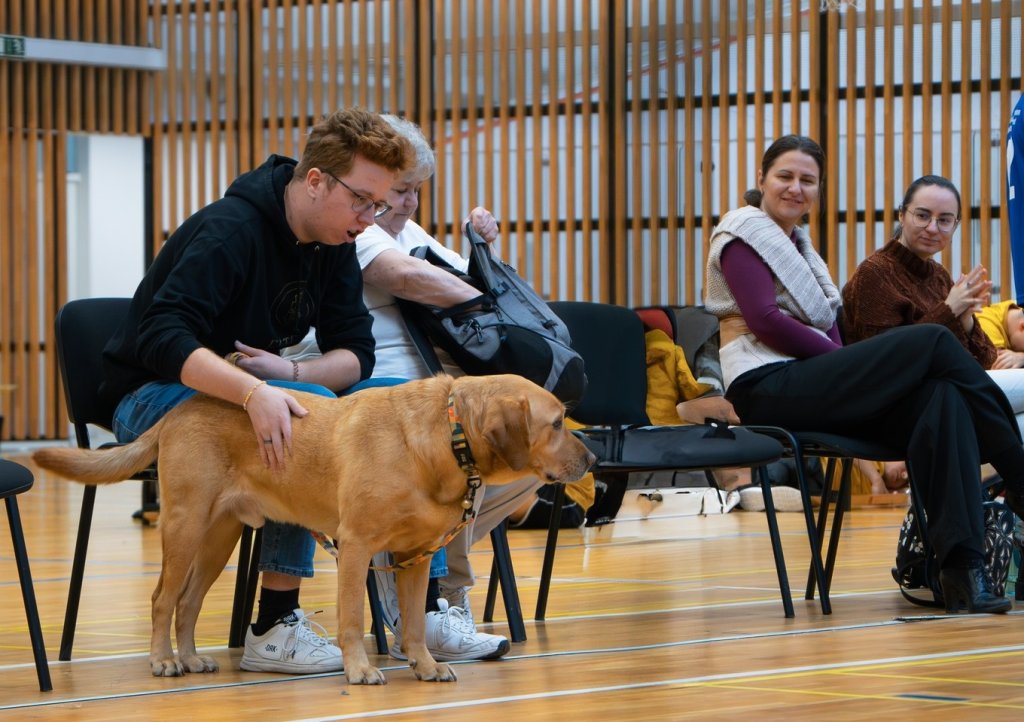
{"x":83,"y":329}
{"x":611,"y":341}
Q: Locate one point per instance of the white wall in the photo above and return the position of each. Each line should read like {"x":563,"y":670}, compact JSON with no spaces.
{"x":106,"y":234}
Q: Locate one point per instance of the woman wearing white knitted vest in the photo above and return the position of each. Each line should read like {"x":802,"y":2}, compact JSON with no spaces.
{"x":913,"y":387}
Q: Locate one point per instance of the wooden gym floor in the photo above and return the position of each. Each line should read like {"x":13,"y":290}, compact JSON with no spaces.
{"x":667,"y":618}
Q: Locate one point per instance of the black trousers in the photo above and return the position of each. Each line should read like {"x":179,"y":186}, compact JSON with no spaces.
{"x":914,"y":387}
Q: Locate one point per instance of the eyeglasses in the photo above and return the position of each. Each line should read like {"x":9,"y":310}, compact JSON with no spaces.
{"x":923,"y":218}
{"x":361,"y":202}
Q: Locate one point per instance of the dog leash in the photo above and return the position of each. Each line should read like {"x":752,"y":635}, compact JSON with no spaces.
{"x":464,"y":455}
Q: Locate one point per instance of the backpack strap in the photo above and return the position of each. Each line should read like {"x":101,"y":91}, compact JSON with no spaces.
{"x":480,"y":261}
{"x":423,"y":345}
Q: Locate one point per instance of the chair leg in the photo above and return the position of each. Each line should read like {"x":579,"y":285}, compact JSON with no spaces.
{"x":823,"y":507}
{"x":239,"y":619}
{"x":549,"y":552}
{"x":67,"y":638}
{"x":492,"y":591}
{"x":773,"y":532}
{"x":28,"y":595}
{"x":377,"y":627}
{"x":842,"y":504}
{"x":815,"y":531}
{"x":507,"y":576}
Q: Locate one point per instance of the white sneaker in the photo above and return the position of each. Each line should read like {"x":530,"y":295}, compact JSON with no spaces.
{"x":458,"y":597}
{"x":785,"y":498}
{"x":451,"y":637}
{"x":291,"y":646}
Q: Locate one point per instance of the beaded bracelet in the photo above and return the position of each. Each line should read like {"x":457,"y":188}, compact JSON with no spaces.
{"x":295,"y":370}
{"x":248,"y":396}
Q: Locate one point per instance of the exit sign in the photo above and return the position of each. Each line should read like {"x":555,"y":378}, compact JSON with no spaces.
{"x":12,"y":46}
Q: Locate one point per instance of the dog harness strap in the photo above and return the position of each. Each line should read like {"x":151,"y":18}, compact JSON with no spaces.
{"x":464,"y":455}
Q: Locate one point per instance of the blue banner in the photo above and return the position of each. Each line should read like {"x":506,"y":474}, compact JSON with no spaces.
{"x":1015,"y":196}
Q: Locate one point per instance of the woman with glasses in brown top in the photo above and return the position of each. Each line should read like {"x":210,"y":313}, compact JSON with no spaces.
{"x":900,"y":284}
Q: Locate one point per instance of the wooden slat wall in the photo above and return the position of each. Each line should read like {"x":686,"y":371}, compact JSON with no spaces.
{"x":608,"y":137}
{"x":40,"y":105}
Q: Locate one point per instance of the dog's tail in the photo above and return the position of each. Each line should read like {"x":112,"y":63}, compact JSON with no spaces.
{"x":102,"y":466}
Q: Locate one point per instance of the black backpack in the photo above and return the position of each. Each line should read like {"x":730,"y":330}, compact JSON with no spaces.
{"x":917,"y":571}
{"x":508,"y":328}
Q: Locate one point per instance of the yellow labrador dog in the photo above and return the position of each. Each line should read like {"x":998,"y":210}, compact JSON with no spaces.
{"x":375,"y":470}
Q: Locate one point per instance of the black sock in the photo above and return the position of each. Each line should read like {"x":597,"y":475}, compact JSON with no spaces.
{"x":274,"y":605}
{"x":433,"y":594}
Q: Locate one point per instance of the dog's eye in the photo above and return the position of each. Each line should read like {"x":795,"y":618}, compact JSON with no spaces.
{"x":557,"y":425}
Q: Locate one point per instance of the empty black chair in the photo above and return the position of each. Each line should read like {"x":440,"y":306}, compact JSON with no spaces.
{"x":611,"y":341}
{"x":83,"y":329}
{"x":16,"y":479}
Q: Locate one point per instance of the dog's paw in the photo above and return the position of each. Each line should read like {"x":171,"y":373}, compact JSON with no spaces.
{"x":366,"y":675}
{"x":200,"y":663}
{"x":438,"y":672}
{"x":166,"y":668}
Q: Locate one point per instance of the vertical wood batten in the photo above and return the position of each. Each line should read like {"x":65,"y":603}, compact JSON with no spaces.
{"x":533,"y":271}
{"x":441,"y":128}
{"x":888,"y":122}
{"x":853,"y":169}
{"x":651,"y":271}
{"x":777,"y":96}
{"x":927,"y":46}
{"x":504,"y":101}
{"x":705,"y":125}
{"x":676,"y":293}
{"x":870,"y":191}
{"x":966,"y":118}
{"x":1006,"y":279}
{"x":635,"y":239}
{"x":985,"y":123}
{"x":831,"y":132}
{"x":590,"y":248}
{"x":555,"y":147}
{"x":619,"y":290}
{"x":689,"y":150}
{"x":520,"y":126}
{"x":739,"y":184}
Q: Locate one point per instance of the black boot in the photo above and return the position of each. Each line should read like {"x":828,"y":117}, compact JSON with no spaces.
{"x":968,"y":588}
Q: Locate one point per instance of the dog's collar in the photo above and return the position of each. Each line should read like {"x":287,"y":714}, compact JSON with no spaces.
{"x":464,"y":455}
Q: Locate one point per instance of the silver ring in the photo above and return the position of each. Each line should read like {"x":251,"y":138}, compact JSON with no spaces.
{"x":268,"y":441}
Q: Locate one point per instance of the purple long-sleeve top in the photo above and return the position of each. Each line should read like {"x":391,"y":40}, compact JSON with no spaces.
{"x":753,"y":286}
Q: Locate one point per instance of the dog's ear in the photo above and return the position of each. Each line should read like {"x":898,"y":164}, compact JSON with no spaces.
{"x":506,"y":428}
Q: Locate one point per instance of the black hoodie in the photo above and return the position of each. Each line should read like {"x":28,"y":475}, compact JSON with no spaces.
{"x":235,"y":271}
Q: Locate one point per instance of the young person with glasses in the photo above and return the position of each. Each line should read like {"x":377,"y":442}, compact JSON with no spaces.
{"x":241,"y":279}
{"x":901,"y":285}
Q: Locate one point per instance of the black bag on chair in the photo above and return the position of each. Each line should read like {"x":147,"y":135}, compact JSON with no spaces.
{"x":507,"y":329}
{"x":917,"y":571}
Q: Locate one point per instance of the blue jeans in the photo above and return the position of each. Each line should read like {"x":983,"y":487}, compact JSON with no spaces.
{"x":286,"y":548}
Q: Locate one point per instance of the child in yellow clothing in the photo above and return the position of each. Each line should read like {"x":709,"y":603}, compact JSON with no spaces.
{"x":1003,"y":323}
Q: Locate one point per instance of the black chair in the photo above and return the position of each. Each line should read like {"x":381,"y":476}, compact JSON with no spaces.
{"x":83,"y":329}
{"x":833,"y":448}
{"x":16,"y":479}
{"x":693,"y":327}
{"x":611,"y":341}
